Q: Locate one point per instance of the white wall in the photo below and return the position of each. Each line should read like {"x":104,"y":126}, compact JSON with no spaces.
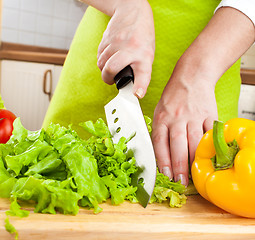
{"x":47,"y":23}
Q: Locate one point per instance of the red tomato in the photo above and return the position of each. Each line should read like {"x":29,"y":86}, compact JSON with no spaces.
{"x":7,"y":114}
{"x":6,"y":129}
{"x":6,"y":125}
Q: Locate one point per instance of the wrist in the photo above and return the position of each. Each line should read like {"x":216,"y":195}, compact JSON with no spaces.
{"x":195,"y":69}
{"x":222,"y":42}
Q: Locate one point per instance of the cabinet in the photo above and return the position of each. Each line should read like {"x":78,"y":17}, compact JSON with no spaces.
{"x":246,"y":108}
{"x":26,"y":89}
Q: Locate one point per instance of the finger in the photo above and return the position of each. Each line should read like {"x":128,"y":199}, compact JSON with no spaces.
{"x":105,"y":55}
{"x":103,"y":44}
{"x":142,"y":77}
{"x":179,"y":153}
{"x":114,"y":65}
{"x":208,"y":123}
{"x":194,"y":133}
{"x":160,"y":142}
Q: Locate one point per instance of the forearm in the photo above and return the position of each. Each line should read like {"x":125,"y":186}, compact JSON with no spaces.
{"x":223,"y":41}
{"x":109,"y":6}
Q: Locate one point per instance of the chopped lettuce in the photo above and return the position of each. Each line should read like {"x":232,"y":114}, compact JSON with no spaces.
{"x":10,"y":228}
{"x":59,"y":171}
{"x":166,"y":189}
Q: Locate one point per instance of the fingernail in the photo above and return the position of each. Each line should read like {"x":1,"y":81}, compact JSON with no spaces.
{"x":139,"y":92}
{"x":166,"y":171}
{"x":183,"y":179}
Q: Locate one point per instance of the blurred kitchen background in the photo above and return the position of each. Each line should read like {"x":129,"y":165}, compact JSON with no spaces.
{"x":35,"y":38}
{"x":246,"y":107}
{"x":46,"y":23}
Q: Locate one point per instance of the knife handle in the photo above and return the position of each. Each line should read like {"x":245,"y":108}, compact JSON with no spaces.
{"x":124,"y":77}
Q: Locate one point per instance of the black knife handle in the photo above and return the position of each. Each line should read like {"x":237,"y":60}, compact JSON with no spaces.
{"x":124,"y":77}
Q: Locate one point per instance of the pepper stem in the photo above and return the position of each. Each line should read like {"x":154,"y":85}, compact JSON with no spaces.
{"x":225,"y":152}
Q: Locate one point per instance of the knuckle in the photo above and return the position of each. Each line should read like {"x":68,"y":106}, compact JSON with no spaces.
{"x":149,"y":53}
{"x":160,"y":115}
{"x":134,"y":42}
{"x":143,"y":73}
{"x":177,"y":133}
{"x":120,"y":37}
{"x":109,"y":69}
{"x":156,"y":138}
{"x":178,"y":113}
{"x":195,"y":134}
{"x":107,"y":80}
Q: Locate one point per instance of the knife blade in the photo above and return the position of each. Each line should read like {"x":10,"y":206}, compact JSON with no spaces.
{"x":124,"y":118}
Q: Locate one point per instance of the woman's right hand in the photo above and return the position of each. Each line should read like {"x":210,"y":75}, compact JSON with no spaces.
{"x":129,"y":39}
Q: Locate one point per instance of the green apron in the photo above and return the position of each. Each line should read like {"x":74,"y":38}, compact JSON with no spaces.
{"x":81,"y":94}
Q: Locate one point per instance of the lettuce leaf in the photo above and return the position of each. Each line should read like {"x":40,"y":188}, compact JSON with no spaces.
{"x":167,"y":189}
{"x":59,"y":171}
{"x":10,"y":228}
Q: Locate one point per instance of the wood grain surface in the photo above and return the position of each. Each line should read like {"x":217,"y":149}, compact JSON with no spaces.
{"x":248,"y":76}
{"x":20,"y":52}
{"x":198,"y":219}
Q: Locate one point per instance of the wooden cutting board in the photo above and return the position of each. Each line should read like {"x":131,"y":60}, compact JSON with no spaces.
{"x":198,"y":219}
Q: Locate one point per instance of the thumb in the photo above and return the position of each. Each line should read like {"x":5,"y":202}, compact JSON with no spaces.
{"x":142,"y":77}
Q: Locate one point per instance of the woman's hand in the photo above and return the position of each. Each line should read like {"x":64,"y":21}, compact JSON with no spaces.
{"x":129,"y":40}
{"x":185,"y":111}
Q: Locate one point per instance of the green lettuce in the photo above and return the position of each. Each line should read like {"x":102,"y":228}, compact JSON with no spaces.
{"x":167,"y":189}
{"x":60,"y":172}
{"x":10,"y":228}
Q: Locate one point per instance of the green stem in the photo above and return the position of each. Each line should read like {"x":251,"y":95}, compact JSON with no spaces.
{"x":225,"y":152}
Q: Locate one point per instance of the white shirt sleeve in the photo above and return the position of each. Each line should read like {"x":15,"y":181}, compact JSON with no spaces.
{"x":247,"y":7}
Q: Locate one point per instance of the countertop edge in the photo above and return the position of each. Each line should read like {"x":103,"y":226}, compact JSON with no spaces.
{"x":248,"y":76}
{"x":20,"y":52}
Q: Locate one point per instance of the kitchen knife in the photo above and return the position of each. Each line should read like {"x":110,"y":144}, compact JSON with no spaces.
{"x":124,"y":118}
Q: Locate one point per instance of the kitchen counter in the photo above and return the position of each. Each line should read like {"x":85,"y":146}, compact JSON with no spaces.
{"x":198,"y":219}
{"x":248,"y":76}
{"x":19,"y":52}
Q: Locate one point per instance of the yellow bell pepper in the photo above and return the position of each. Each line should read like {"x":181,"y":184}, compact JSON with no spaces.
{"x":223,"y":170}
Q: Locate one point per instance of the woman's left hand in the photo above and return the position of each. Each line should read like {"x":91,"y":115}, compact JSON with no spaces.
{"x":185,"y":111}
